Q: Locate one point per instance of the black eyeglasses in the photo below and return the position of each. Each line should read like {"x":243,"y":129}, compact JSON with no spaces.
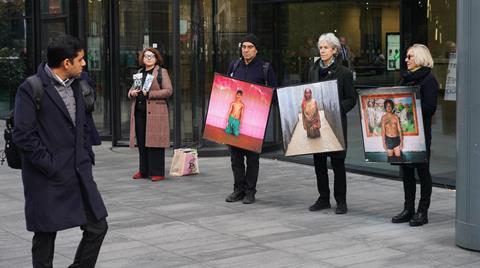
{"x":148,"y":57}
{"x":409,"y":56}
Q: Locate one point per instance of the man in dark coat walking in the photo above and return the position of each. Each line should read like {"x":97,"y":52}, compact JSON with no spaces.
{"x":57,"y":157}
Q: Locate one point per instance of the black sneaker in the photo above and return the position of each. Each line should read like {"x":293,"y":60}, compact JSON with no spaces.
{"x":341,"y":208}
{"x":319,"y":205}
{"x":235,"y":196}
{"x":249,"y":198}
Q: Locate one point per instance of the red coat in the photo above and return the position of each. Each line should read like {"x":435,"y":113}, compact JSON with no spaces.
{"x":158,"y":129}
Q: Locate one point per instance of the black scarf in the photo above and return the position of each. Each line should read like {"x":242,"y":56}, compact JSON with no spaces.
{"x":324,"y":72}
{"x":415,"y":78}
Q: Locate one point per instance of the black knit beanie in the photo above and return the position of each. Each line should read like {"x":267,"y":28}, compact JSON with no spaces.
{"x":252,"y":39}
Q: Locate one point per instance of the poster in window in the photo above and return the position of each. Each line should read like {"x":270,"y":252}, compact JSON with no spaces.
{"x":393,"y":51}
{"x":451,"y":82}
{"x":93,"y":57}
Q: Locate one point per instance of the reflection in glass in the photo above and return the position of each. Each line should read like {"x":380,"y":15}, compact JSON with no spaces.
{"x":53,"y":7}
{"x":290,"y":31}
{"x":15,"y":43}
{"x":96,"y":65}
{"x":141,"y":24}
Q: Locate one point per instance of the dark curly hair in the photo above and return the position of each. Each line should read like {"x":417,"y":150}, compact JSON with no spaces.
{"x":388,"y":101}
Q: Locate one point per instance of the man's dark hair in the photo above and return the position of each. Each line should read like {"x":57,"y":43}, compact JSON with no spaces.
{"x":388,"y":101}
{"x":61,"y":48}
{"x":239,"y":92}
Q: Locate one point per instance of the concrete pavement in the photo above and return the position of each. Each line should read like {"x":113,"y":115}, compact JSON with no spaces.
{"x":185,"y":222}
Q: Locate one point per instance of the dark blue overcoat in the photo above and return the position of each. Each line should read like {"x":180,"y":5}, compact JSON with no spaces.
{"x":57,"y":159}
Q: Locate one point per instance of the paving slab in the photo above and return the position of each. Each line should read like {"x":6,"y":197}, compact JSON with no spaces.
{"x":185,"y":221}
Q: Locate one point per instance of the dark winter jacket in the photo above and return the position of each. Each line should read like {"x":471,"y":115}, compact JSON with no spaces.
{"x":253,"y":72}
{"x":346,"y":93}
{"x":424,"y":78}
{"x":57,"y":159}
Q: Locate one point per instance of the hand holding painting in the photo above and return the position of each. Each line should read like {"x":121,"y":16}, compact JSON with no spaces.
{"x":147,"y":84}
{"x":137,"y":83}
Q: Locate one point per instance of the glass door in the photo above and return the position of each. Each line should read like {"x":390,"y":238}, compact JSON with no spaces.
{"x":98,"y":61}
{"x":141,"y":24}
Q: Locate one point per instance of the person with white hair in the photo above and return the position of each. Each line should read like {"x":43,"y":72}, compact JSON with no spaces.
{"x":419,"y":64}
{"x":327,"y":68}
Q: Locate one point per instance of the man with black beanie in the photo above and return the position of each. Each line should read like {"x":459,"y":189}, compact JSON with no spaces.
{"x":251,"y":69}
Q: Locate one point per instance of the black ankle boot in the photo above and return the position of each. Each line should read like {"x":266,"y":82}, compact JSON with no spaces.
{"x":403,"y":216}
{"x":420,"y":218}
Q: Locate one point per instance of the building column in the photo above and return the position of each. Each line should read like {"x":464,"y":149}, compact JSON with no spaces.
{"x":177,"y":92}
{"x":467,"y":224}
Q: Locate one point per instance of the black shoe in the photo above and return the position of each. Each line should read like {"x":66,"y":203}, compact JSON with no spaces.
{"x":249,"y":198}
{"x":235,"y":196}
{"x":341,"y":208}
{"x":419,"y":219}
{"x":319,"y":205}
{"x":403,"y":216}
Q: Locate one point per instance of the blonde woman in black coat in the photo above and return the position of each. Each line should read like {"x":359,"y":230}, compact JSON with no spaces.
{"x":327,"y":68}
{"x":419,"y":64}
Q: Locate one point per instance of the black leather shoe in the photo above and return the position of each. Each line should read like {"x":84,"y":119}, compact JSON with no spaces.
{"x":341,"y":208}
{"x":403,"y":216}
{"x":419,"y":219}
{"x":319,"y":205}
{"x":235,"y":196}
{"x":249,"y":198}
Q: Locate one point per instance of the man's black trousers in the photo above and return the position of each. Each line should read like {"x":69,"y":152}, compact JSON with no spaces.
{"x":245,"y":179}
{"x":43,"y":244}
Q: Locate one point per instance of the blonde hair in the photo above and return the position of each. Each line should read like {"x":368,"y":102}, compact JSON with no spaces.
{"x":421,"y":55}
{"x":331,"y":40}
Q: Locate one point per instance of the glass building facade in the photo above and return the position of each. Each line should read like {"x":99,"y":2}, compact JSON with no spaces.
{"x":200,"y":37}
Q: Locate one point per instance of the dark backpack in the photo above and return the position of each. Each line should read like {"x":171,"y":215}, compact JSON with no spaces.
{"x":88,"y":95}
{"x":12,"y":153}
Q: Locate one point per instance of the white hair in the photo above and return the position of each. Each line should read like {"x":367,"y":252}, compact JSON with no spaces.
{"x":331,"y":40}
{"x":421,"y":55}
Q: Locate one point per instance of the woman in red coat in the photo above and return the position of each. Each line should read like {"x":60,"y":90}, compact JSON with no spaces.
{"x":149,"y":125}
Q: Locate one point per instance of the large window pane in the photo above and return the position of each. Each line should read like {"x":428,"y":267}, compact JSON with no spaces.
{"x":16,"y":53}
{"x":290,"y":30}
{"x":95,"y":34}
{"x":54,"y":21}
{"x":441,"y":16}
{"x":141,"y":24}
{"x":230,"y":26}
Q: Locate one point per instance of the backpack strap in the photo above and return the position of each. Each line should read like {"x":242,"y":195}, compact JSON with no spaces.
{"x":37,"y":89}
{"x":265,"y":66}
{"x":235,"y":66}
{"x":159,"y":76}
